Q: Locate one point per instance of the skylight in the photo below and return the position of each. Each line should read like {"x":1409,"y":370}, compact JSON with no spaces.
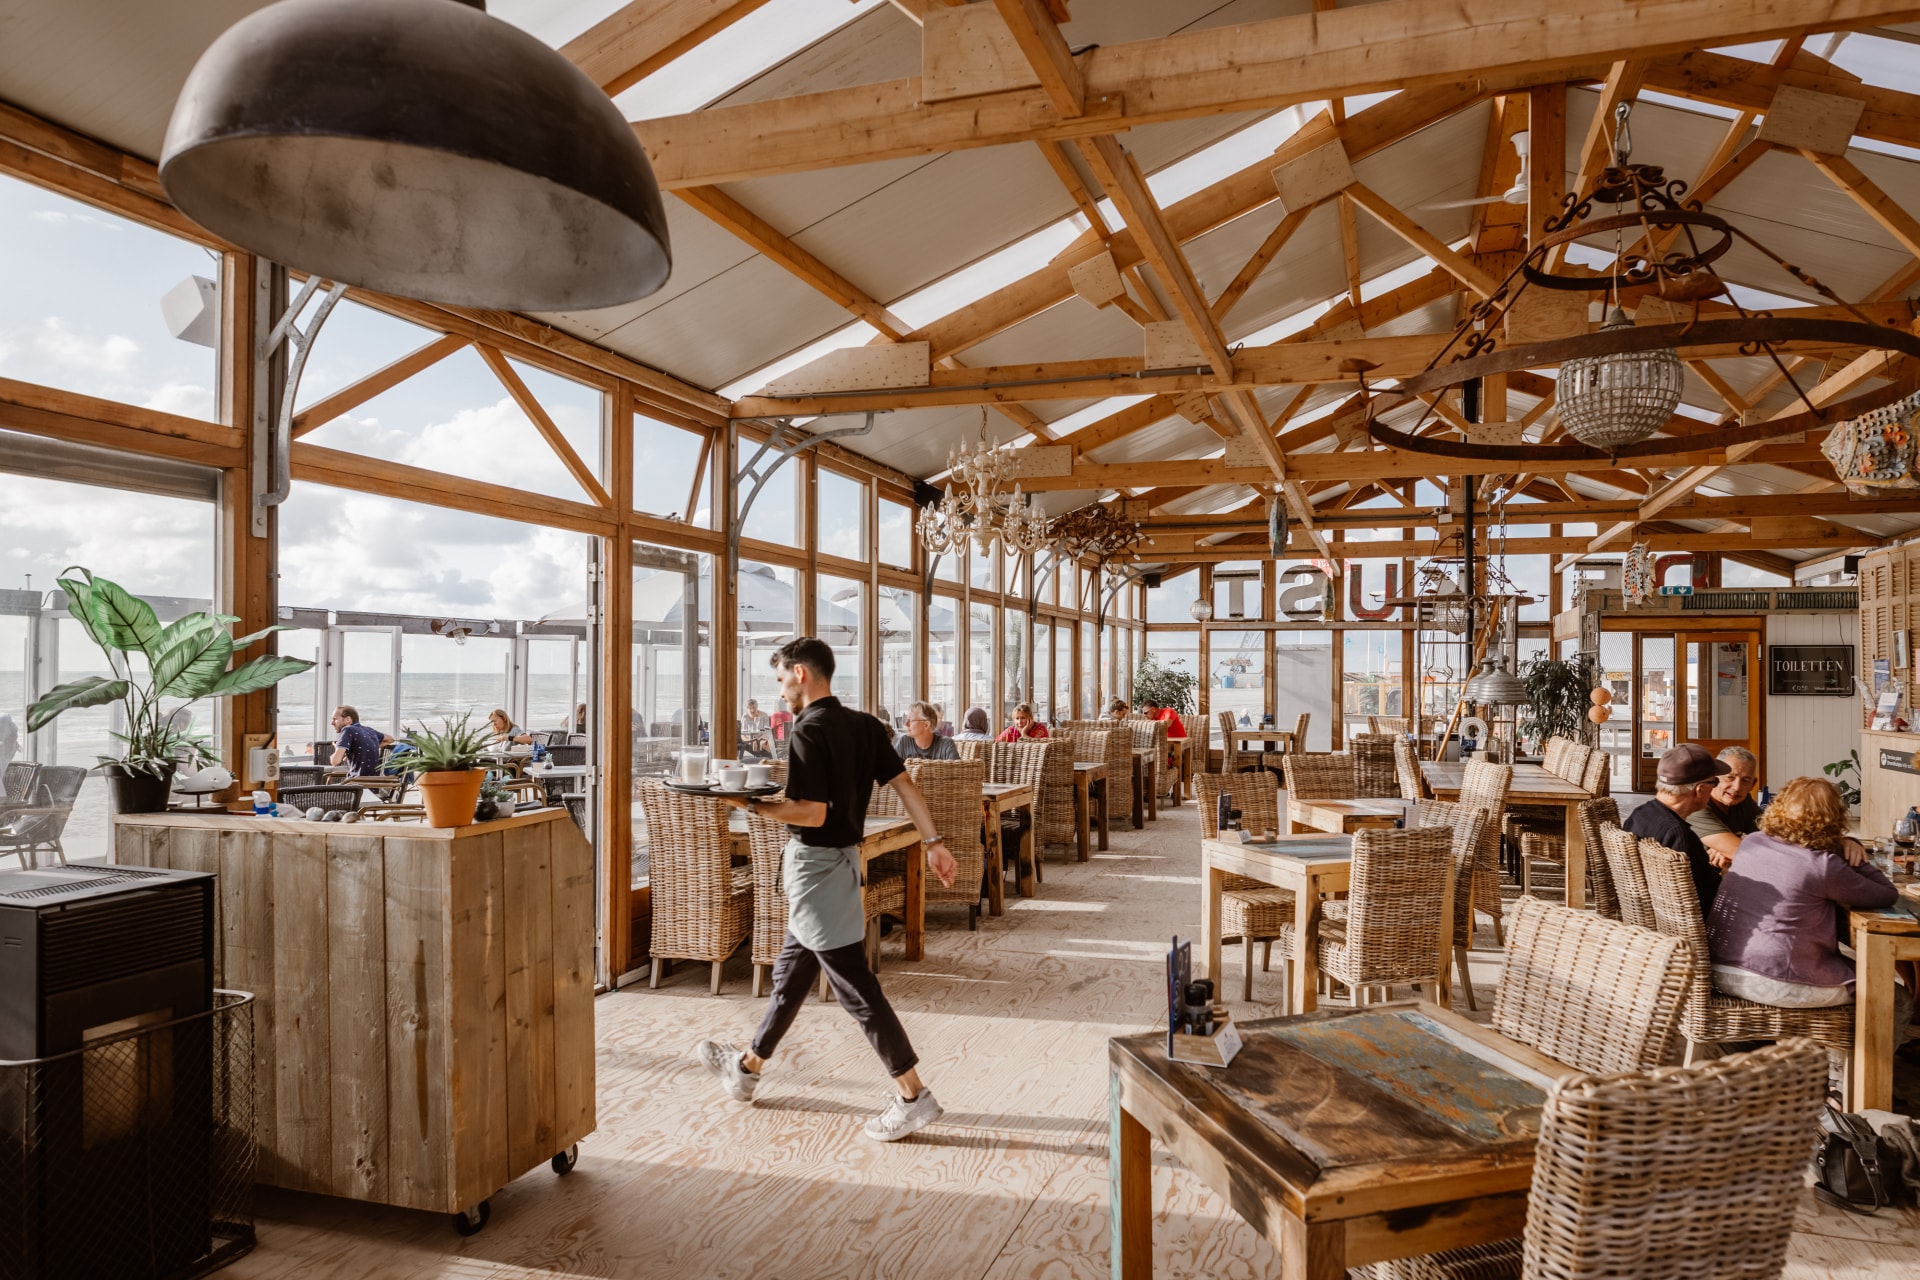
{"x":857,"y":334}
{"x":1093,"y":413}
{"x":717,"y":66}
{"x":1258,"y":141}
{"x":988,"y":275}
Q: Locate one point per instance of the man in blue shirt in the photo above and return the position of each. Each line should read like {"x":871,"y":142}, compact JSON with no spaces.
{"x":359,"y":744}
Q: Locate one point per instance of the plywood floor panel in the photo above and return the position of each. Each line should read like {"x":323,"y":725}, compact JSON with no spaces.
{"x":1011,"y":1023}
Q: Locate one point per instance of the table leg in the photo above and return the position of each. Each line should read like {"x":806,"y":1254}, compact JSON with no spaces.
{"x":916,"y":930}
{"x":1139,"y":798}
{"x":1211,"y":883}
{"x":1312,"y":1250}
{"x":1870,"y":1083}
{"x":1082,"y":805}
{"x":1026,"y":855}
{"x":1152,"y":772}
{"x":1576,"y":840}
{"x":1130,"y":1193}
{"x":1305,"y":958}
{"x":996,"y":862}
{"x":1443,"y":975}
{"x":1103,"y":816}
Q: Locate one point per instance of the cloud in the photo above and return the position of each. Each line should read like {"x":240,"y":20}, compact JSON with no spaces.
{"x":183,"y":398}
{"x":62,"y":217}
{"x":52,"y":342}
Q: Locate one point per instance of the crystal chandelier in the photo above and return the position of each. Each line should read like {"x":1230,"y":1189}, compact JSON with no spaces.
{"x":1619,"y":399}
{"x":978,"y":506}
{"x":1096,"y":532}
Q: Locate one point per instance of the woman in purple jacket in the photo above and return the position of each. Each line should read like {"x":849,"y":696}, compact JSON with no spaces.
{"x":1776,"y":923}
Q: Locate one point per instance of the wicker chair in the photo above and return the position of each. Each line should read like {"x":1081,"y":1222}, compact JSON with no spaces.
{"x":1553,"y":753}
{"x":1484,"y":785}
{"x":1232,"y":758}
{"x":1406,"y":768}
{"x":1375,"y":773}
{"x":1469,"y":827}
{"x":1119,"y":772}
{"x":1387,"y":930}
{"x":324,"y":797}
{"x":402,"y":812}
{"x":1250,"y":910}
{"x":1318,"y":775}
{"x":1621,"y":851}
{"x":1298,"y":742}
{"x":766,"y":845}
{"x":1053,"y":801}
{"x":1573,"y":764}
{"x":1712,"y":1016}
{"x":952,"y":788}
{"x":1199,"y":752}
{"x":1387,"y":724}
{"x":1598,"y":779}
{"x":304,"y":775}
{"x":1152,"y":736}
{"x":971,"y":748}
{"x":27,"y":829}
{"x":1540,"y":846}
{"x":16,"y":782}
{"x":702,"y":903}
{"x":1667,"y":1173}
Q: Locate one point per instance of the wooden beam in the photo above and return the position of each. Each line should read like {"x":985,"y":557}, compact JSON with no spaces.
{"x":1546,"y":151}
{"x":67,"y":415}
{"x":1350,"y":250}
{"x":1083,"y":199}
{"x":640,"y":37}
{"x":1397,"y":45}
{"x":1422,"y":239}
{"x":1261,"y":259}
{"x":1879,"y":206}
{"x":364,"y":474}
{"x":1249,"y":546}
{"x":1039,"y":38}
{"x":1890,"y":114}
{"x":549,"y":431}
{"x":351,"y":397}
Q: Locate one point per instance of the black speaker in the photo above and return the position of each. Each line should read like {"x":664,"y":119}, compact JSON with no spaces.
{"x":1151,"y":579}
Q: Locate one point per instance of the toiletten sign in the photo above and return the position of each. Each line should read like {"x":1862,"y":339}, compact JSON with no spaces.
{"x":1810,"y":670}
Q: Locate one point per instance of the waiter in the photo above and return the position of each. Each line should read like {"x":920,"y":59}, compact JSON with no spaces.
{"x":835,"y":758}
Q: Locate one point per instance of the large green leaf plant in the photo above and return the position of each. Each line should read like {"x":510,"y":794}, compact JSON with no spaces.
{"x":178,"y":664}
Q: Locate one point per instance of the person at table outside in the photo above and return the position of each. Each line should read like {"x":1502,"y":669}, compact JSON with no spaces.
{"x":1772,"y":931}
{"x":509,"y":733}
{"x":1024,"y":726}
{"x":756,"y":729}
{"x":1176,"y":727}
{"x":359,"y":745}
{"x":1682,"y":782}
{"x":1731,"y":813}
{"x":1117,"y":710}
{"x":920,"y":742}
{"x":580,"y":718}
{"x":837,"y":756}
{"x":974,"y":727}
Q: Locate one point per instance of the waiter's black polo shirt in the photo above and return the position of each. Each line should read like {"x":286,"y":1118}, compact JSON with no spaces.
{"x":836,"y":756}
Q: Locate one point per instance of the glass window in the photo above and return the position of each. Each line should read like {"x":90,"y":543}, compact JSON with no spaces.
{"x":1016,"y":585}
{"x":1303,"y":682}
{"x":82,"y":309}
{"x":841,"y":511}
{"x":299,"y":718}
{"x":981,"y":567}
{"x":670,"y":711}
{"x":1236,"y":672}
{"x":980,"y":668}
{"x":768,"y":609}
{"x":1172,"y":601}
{"x":839,"y":605}
{"x":899,"y":676}
{"x":895,"y":534}
{"x":444,"y":679}
{"x":776,"y":511}
{"x":1370,"y":680}
{"x":555,"y":688}
{"x":947,"y":565}
{"x":943,"y":658}
{"x":1090,"y":695}
{"x":1013,"y":658}
{"x":1063,"y":671}
{"x":1236,"y":593}
{"x":664,"y":458}
{"x":1043,"y":671}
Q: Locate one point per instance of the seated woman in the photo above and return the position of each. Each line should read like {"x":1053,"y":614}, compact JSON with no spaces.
{"x":1117,"y":710}
{"x":974,"y":727}
{"x":920,"y":742}
{"x":509,"y":733}
{"x":1024,"y":726}
{"x":1772,"y":932}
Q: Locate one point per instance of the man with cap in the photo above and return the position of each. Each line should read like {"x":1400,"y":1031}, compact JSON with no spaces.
{"x":1683,"y":786}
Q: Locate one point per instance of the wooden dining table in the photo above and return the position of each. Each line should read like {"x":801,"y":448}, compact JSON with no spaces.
{"x":1270,"y":739}
{"x":1089,"y":781}
{"x":1345,"y":1137}
{"x":1532,"y":785}
{"x":1312,"y":866}
{"x":1879,"y":939}
{"x":1345,"y":816}
{"x":999,"y":800}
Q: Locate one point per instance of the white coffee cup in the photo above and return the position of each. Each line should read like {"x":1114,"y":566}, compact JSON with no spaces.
{"x":693,"y":766}
{"x":733,"y":779}
{"x":759,"y":775}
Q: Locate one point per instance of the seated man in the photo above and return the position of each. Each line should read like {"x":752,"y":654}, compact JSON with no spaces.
{"x":1685,"y":777}
{"x":359,"y":745}
{"x":1731,"y":812}
{"x":920,"y":741}
{"x":1176,"y":727}
{"x":1024,"y":725}
{"x":756,"y":732}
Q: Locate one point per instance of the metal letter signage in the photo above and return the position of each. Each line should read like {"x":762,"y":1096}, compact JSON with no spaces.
{"x":1810,"y":670}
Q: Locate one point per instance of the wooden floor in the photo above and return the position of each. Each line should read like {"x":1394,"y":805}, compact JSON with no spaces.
{"x":1011,"y":1024}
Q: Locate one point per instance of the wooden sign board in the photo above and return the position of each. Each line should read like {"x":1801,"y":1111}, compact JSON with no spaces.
{"x":1097,"y":279}
{"x":896,"y":364}
{"x":1545,"y":315}
{"x":968,"y":50}
{"x":1322,"y":172}
{"x":1042,"y":461}
{"x":1169,"y":344}
{"x":1822,"y":122}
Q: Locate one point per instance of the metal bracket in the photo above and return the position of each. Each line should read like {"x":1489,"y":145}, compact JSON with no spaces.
{"x":300,"y":343}
{"x":784,"y":441}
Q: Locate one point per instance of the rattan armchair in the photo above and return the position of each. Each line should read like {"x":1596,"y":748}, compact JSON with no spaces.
{"x":1469,"y":827}
{"x":1297,"y":741}
{"x":1712,"y":1016}
{"x":1318,"y":775}
{"x":1053,"y":799}
{"x":1406,"y":768}
{"x":1151,"y":735}
{"x":1232,"y":758}
{"x":1375,"y":773}
{"x":1119,"y":760}
{"x":25,"y":830}
{"x":952,"y":789}
{"x":702,"y":903}
{"x":1666,"y":1173}
{"x":1250,"y":910}
{"x":1621,"y":851}
{"x":1387,"y":930}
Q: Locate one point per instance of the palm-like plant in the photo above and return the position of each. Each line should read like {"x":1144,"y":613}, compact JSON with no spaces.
{"x":182,"y":662}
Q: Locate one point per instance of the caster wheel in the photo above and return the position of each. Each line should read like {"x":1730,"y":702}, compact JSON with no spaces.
{"x":469,"y":1221}
{"x":564,"y":1162}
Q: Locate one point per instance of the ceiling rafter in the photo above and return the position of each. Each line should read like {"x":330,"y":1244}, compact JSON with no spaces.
{"x":639,"y":38}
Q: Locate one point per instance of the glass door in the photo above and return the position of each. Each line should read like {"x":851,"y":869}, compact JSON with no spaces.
{"x":1721,"y":677}
{"x":1659,"y":709}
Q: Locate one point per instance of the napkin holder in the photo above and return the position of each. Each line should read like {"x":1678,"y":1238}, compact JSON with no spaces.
{"x":1214,"y":1050}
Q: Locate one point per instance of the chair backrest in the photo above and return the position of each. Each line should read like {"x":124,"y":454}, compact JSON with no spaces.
{"x":1318,"y":775}
{"x":576,"y":739}
{"x":1119,"y":769}
{"x":563,"y":754}
{"x":1553,"y":753}
{"x":971,"y":748}
{"x":1675,"y":1171}
{"x":1196,"y":727}
{"x":541,"y":737}
{"x":18,"y":781}
{"x":1300,"y":731}
{"x":1593,"y":993}
{"x":403,"y":812}
{"x":1598,"y":779}
{"x":1256,"y":795}
{"x":1387,"y":724}
{"x":1394,"y":895}
{"x":1021,"y":763}
{"x":1484,"y":785}
{"x":1622,"y":850}
{"x":1469,"y":844}
{"x":1573,"y":762}
{"x":1595,"y":814}
{"x":302,"y":775}
{"x":1230,"y":754}
{"x":1375,"y":773}
{"x":58,"y":785}
{"x":1406,"y":769}
{"x":1089,"y":746}
{"x":766,"y":845}
{"x":690,"y":866}
{"x":884,"y":802}
{"x":1675,"y":904}
{"x":325,"y":797}
{"x":952,"y":788}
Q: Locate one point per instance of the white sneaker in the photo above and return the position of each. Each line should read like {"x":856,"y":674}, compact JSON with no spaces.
{"x":902,"y":1117}
{"x":724,"y":1061}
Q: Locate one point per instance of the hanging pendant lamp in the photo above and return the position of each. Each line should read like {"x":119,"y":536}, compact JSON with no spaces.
{"x":420,"y":148}
{"x":1496,"y":686}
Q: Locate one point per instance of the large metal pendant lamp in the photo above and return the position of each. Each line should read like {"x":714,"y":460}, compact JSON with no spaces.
{"x":1496,"y":685}
{"x":420,"y":148}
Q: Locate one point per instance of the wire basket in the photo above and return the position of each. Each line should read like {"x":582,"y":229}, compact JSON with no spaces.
{"x":133,"y":1156}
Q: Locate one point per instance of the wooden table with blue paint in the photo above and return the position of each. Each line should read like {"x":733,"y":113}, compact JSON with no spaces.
{"x":1879,"y":939}
{"x":1312,"y":866}
{"x":1344,"y":1137}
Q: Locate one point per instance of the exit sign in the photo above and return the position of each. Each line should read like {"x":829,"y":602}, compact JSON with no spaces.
{"x":1676,"y":591}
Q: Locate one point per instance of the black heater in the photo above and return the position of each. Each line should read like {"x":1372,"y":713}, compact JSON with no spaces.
{"x":107,"y":1115}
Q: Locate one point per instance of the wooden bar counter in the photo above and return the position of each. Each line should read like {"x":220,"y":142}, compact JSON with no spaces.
{"x":424,"y":1018}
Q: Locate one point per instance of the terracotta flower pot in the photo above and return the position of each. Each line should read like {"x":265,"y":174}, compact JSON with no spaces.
{"x":450,"y":796}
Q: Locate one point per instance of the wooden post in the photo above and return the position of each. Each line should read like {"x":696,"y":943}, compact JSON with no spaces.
{"x":247,"y":582}
{"x":1337,"y":666}
{"x":726,"y":598}
{"x":1203,"y":648}
{"x":1269,"y":612}
{"x":616,"y":702}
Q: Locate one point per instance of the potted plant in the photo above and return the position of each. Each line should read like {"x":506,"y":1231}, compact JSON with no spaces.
{"x":179,"y":663}
{"x":447,"y":762}
{"x":1559,"y":694}
{"x":1163,"y":685}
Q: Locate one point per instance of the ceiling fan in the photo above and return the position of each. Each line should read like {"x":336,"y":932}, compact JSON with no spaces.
{"x":1515,"y":194}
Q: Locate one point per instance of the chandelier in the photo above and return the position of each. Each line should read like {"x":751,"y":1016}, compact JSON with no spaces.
{"x":1096,"y":532}
{"x":1614,"y":400}
{"x":979,"y":507}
